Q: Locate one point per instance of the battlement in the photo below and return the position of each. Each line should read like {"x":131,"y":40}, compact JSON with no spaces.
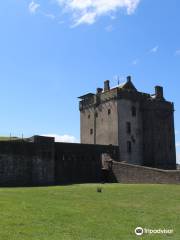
{"x":125,"y":90}
{"x":141,"y":124}
{"x":131,"y":127}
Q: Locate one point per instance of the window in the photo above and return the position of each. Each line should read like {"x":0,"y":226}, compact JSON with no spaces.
{"x":133,"y":139}
{"x":133,"y":110}
{"x":129,"y":149}
{"x":96,"y":115}
{"x":109,"y":111}
{"x":91,"y":131}
{"x":89,"y":116}
{"x":128,"y":127}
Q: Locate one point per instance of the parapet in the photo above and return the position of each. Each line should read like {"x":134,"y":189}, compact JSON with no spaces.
{"x":126,"y":90}
{"x":41,"y":139}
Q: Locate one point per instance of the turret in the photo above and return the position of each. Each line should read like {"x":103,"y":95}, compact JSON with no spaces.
{"x":106,"y":86}
{"x":159,"y":92}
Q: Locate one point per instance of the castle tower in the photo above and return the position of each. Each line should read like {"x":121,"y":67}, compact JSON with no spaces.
{"x":142,"y":125}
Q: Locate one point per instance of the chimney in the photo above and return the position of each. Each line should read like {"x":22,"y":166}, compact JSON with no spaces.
{"x":106,"y":85}
{"x":99,"y":90}
{"x":159,"y":92}
{"x":128,"y":78}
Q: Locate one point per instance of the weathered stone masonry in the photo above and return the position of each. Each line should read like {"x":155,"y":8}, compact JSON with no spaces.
{"x":126,"y":136}
{"x":141,"y":124}
{"x":44,"y":162}
{"x":129,"y":173}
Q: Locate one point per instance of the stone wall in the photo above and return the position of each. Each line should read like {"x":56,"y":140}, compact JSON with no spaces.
{"x":47,"y":163}
{"x":99,"y":125}
{"x":87,"y":120}
{"x":44,"y":162}
{"x":128,"y":173}
{"x":106,"y":123}
{"x":146,"y":138}
{"x":80,"y":162}
{"x":23,"y":163}
{"x":158,"y":134}
{"x":134,"y":137}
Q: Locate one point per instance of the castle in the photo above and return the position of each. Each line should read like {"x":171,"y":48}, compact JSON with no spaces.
{"x":126,"y":136}
{"x":140,"y":124}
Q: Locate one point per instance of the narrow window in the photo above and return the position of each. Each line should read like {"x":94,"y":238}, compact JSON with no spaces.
{"x":133,"y":139}
{"x":109,"y":111}
{"x":89,"y":116}
{"x":96,"y":115}
{"x":129,"y":148}
{"x":91,"y":131}
{"x":128,"y":127}
{"x":133,"y":110}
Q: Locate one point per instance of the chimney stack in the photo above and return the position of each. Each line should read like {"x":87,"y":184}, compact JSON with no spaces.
{"x":106,"y":86}
{"x":128,"y":78}
{"x":99,"y":90}
{"x":159,"y":92}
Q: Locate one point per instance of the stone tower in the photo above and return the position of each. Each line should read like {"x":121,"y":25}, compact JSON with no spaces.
{"x":141,"y":124}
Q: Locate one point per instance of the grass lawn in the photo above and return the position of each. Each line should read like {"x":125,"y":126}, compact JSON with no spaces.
{"x":79,"y":212}
{"x":2,"y":138}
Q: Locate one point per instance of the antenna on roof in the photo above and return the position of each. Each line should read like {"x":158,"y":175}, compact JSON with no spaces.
{"x":116,"y":78}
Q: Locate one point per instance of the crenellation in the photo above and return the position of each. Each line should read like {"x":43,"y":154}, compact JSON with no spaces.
{"x":131,"y":130}
{"x":151,"y":126}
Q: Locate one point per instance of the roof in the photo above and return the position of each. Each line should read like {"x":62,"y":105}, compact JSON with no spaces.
{"x":86,"y":95}
{"x":128,"y":85}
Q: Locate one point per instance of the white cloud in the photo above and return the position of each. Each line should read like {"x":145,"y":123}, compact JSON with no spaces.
{"x":178,"y":158}
{"x":112,"y":17}
{"x":33,"y":7}
{"x":61,"y":22}
{"x":154,"y":49}
{"x":135,"y":61}
{"x":62,"y":138}
{"x":177,"y":152}
{"x":50,"y":15}
{"x":109,"y":28}
{"x":87,"y":11}
{"x":177,"y":52}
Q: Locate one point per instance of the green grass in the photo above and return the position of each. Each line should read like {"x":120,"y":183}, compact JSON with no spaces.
{"x":3,"y":138}
{"x":79,"y":212}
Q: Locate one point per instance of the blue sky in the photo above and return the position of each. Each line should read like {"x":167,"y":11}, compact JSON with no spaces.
{"x":53,"y":51}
